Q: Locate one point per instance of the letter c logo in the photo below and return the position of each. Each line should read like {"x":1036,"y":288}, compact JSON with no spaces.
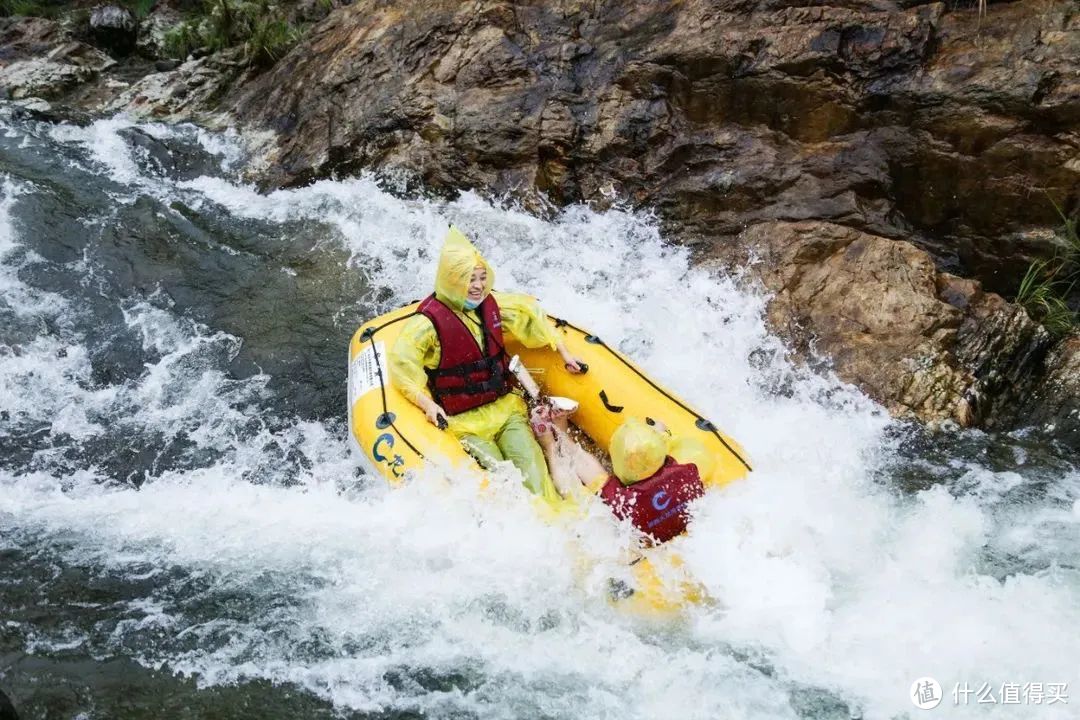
{"x":661,"y":500}
{"x":384,"y":438}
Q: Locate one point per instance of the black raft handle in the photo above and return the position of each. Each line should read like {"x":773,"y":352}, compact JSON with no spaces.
{"x":608,"y":405}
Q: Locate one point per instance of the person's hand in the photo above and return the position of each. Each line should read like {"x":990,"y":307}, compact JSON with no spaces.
{"x":437,"y":416}
{"x":573,"y":364}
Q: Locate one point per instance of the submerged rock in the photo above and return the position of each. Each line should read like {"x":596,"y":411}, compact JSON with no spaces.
{"x":7,"y":710}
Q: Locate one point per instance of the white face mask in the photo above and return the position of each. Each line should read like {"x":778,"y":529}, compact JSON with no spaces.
{"x":470,"y":305}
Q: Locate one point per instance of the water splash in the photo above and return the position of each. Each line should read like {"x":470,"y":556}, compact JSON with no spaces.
{"x":252,"y":550}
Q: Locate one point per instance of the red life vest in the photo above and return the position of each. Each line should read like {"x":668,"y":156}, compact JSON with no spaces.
{"x":657,"y":505}
{"x":468,"y":375}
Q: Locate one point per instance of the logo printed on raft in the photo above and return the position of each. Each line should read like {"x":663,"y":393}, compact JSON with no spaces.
{"x":395,"y":462}
{"x":656,"y":500}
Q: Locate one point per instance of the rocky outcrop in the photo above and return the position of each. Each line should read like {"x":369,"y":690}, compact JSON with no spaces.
{"x":114,"y":28}
{"x":906,"y":122}
{"x":922,"y":342}
{"x":873,"y":153}
{"x":39,"y":60}
{"x":188,"y":91}
{"x":1056,"y":402}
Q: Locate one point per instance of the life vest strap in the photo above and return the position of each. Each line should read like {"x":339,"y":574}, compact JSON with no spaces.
{"x":489,"y":363}
{"x":496,"y":384}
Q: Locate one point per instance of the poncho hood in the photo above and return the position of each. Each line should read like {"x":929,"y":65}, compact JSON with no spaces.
{"x":456,"y":263}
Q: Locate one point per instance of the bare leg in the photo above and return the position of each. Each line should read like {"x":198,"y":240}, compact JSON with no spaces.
{"x":561,"y":471}
{"x":585,"y":466}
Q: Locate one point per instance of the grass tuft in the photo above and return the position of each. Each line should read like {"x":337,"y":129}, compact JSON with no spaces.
{"x":181,"y":40}
{"x":27,"y":8}
{"x":1047,"y":285}
{"x":270,"y":39}
{"x":140,"y":8}
{"x":260,"y":27}
{"x":1043,"y":295}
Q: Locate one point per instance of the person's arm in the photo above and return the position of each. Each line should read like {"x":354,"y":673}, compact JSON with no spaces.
{"x":569,"y":361}
{"x":523,"y":318}
{"x":416,"y":348}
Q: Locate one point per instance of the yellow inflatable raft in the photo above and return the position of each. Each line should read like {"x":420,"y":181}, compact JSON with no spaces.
{"x":396,"y":437}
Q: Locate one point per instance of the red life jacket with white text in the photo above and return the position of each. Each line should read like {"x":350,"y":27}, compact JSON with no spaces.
{"x":469,"y":375}
{"x":657,"y":506}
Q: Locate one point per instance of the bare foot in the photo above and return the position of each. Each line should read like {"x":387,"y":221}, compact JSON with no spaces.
{"x":540,"y":421}
{"x":559,"y":418}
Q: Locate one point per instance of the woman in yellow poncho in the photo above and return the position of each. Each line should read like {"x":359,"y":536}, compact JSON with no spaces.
{"x":464,"y":382}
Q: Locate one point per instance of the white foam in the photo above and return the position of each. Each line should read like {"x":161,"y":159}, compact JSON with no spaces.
{"x":105,"y":145}
{"x":820,"y":571}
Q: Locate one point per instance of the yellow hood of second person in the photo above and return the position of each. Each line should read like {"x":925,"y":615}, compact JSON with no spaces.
{"x":456,"y":263}
{"x":637,"y":451}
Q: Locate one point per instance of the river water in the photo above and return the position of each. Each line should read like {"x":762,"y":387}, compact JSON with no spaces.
{"x":185,"y":531}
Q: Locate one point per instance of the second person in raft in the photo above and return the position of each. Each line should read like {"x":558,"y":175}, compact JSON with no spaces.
{"x":656,"y":475}
{"x":450,"y":361}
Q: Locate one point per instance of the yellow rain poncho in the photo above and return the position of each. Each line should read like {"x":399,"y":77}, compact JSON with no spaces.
{"x":638,"y":450}
{"x":499,"y":430}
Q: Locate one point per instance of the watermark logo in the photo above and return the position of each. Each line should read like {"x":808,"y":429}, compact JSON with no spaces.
{"x":926,"y":693}
{"x":1011,"y":693}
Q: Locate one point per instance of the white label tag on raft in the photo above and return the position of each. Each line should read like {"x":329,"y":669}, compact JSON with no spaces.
{"x":364,"y":371}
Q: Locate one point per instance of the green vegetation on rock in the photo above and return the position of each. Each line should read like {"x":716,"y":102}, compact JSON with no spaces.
{"x":260,"y":27}
{"x":181,"y":40}
{"x":29,"y":8}
{"x":141,"y":8}
{"x":1048,"y":284}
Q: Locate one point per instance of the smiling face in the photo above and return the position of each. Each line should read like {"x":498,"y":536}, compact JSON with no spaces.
{"x":477,"y":283}
{"x":463,"y":277}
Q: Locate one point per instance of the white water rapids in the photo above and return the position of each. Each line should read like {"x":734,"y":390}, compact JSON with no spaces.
{"x":836,"y":584}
